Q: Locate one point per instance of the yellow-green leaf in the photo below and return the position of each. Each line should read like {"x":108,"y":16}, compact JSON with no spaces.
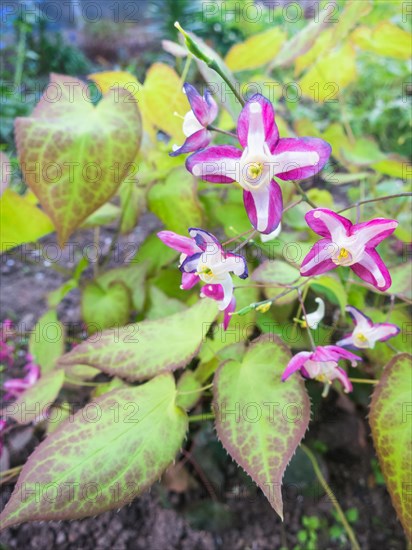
{"x":256,"y":50}
{"x":385,"y":39}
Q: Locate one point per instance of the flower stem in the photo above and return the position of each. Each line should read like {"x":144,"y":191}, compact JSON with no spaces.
{"x":245,"y":242}
{"x":215,"y":129}
{"x":238,"y":237}
{"x":201,"y":417}
{"x":303,"y":194}
{"x":329,"y":492}
{"x":387,"y":197}
{"x":302,"y":305}
{"x":363,"y":380}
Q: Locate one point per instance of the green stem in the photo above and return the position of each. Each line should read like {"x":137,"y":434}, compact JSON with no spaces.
{"x":356,"y":204}
{"x":304,"y":195}
{"x":329,"y":492}
{"x":215,"y":129}
{"x":201,"y":417}
{"x":21,"y":54}
{"x":363,"y":381}
{"x":203,"y":388}
{"x":302,"y":305}
{"x":215,"y":66}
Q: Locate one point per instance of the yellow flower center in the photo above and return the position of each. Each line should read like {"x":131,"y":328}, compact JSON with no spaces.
{"x":343,"y":258}
{"x":255,"y":170}
{"x":205,"y":271}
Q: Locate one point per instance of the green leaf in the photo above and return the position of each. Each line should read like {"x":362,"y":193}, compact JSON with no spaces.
{"x":56,"y":296}
{"x":33,"y":404}
{"x":401,"y":281}
{"x":142,"y":350}
{"x":161,"y":305}
{"x":332,"y":288}
{"x":46,"y":342}
{"x":188,"y":394}
{"x":103,"y":457}
{"x":104,"y":215}
{"x":155,"y":254}
{"x":277,"y":272}
{"x":104,"y":308}
{"x":73,"y":155}
{"x":175,"y":201}
{"x":385,"y":39}
{"x":390,"y":420}
{"x":255,"y":51}
{"x":15,"y":211}
{"x":259,"y":419}
{"x":133,"y":203}
{"x":132,"y":276}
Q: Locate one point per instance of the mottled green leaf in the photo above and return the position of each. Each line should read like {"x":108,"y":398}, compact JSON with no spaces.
{"x":103,"y":308}
{"x":259,"y":419}
{"x":161,"y":305}
{"x":110,"y":451}
{"x":141,"y":350}
{"x":75,"y":155}
{"x":390,"y":419}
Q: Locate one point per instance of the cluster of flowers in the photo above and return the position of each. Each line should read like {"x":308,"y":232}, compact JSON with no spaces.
{"x":262,"y":157}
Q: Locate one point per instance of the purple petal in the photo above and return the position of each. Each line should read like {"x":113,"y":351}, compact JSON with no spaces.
{"x":182,"y":244}
{"x":374,"y":231}
{"x":372,"y":269}
{"x":384,"y":331}
{"x":336,"y":352}
{"x":227,"y":313}
{"x":198,"y":104}
{"x":300,"y":158}
{"x":325,"y":222}
{"x":347,"y":340}
{"x":189,"y":265}
{"x":239,"y":264}
{"x":212,"y":105}
{"x":271,"y":132}
{"x":198,"y":140}
{"x":218,"y":164}
{"x":318,"y":260}
{"x":33,"y":373}
{"x":343,"y":378}
{"x":358,"y":317}
{"x":264,"y":207}
{"x":189,"y":280}
{"x":205,"y":240}
{"x":296,"y":363}
{"x":215,"y":292}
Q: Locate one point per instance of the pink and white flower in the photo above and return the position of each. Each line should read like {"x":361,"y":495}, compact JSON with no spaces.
{"x":6,"y":349}
{"x":16,"y":386}
{"x":366,"y":333}
{"x":348,"y":244}
{"x":322,"y":365}
{"x":263,"y":156}
{"x":204,"y":260}
{"x":203,"y":112}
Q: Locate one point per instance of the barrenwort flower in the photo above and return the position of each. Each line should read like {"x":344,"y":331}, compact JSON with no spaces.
{"x":366,"y":333}
{"x":16,"y":386}
{"x":322,"y":365}
{"x":203,"y":112}
{"x":264,"y":156}
{"x":204,"y":260}
{"x":348,"y":244}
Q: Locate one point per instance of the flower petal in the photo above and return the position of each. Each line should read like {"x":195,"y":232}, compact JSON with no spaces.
{"x":347,"y":340}
{"x":218,"y":164}
{"x":372,"y":269}
{"x":215,"y":292}
{"x":318,"y":260}
{"x":327,"y":223}
{"x":190,"y":264}
{"x":296,"y":363}
{"x":212,"y":105}
{"x":189,"y":280}
{"x":230,"y":309}
{"x":227,"y":285}
{"x":373,"y":232}
{"x":300,"y":158}
{"x":198,"y":104}
{"x":205,"y":240}
{"x":198,"y":140}
{"x":383,"y":331}
{"x":336,"y":353}
{"x":237,"y":264}
{"x":343,"y":378}
{"x":268,"y":124}
{"x":264,"y":207}
{"x":180,"y":243}
{"x":358,"y":317}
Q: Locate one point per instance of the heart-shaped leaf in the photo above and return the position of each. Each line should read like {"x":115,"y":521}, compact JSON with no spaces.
{"x":73,"y":155}
{"x":100,"y":459}
{"x":390,"y":420}
{"x":259,"y":419}
{"x":142,"y":350}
